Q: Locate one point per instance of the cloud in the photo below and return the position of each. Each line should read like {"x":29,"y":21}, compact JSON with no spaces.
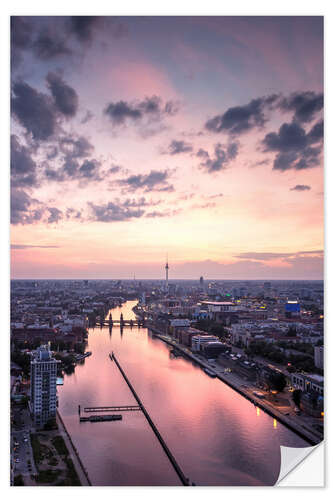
{"x":33,"y":110}
{"x":22,"y":166}
{"x":155,"y":180}
{"x":65,"y":97}
{"x":20,"y":38}
{"x":241,"y":119}
{"x":276,"y":255}
{"x":84,"y":26}
{"x":300,"y":187}
{"x":223,"y":155}
{"x":27,"y":210}
{"x":73,"y":146}
{"x":87,"y":117}
{"x":23,"y":208}
{"x":50,"y":45}
{"x":294,"y":146}
{"x":116,"y":211}
{"x":55,"y":216}
{"x":176,"y":147}
{"x":73,"y":170}
{"x":15,"y":246}
{"x":149,"y":110}
{"x":305,"y":105}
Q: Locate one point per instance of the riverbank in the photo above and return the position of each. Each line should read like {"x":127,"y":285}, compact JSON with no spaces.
{"x":79,"y":467}
{"x":237,"y":384}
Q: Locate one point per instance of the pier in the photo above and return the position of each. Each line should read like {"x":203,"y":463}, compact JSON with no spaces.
{"x":184,"y":480}
{"x":111,"y":408}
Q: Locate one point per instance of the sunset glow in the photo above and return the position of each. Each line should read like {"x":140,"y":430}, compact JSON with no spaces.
{"x":138,"y":136}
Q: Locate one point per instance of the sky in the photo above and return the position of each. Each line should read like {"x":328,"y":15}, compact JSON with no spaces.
{"x":137,"y":137}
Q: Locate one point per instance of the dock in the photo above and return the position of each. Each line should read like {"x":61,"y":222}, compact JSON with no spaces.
{"x":184,"y":480}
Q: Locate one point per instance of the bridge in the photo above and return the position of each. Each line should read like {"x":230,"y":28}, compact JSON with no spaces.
{"x":121,"y":321}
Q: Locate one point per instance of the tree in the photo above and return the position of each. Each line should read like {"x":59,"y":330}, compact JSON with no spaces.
{"x":277,"y":381}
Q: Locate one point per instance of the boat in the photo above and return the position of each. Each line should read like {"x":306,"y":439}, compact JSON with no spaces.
{"x":100,"y":418}
{"x":210,"y":372}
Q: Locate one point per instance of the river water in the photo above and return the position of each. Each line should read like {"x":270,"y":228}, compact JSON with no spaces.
{"x":216,"y":435}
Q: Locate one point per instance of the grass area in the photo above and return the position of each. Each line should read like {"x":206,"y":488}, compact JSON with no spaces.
{"x":59,"y":444}
{"x":72,"y":476}
{"x":53,"y":461}
{"x":55,"y":454}
{"x":48,"y":476}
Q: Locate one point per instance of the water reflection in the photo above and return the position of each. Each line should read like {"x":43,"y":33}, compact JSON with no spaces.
{"x":217,"y":436}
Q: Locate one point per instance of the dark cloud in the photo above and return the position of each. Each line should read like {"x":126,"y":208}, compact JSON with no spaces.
{"x":65,"y":97}
{"x":27,"y":210}
{"x":22,"y":166}
{"x":291,"y":137}
{"x":73,"y":146}
{"x":240,"y":119}
{"x":23,"y":208}
{"x":151,"y":109}
{"x":294,"y":146}
{"x":83,"y":27}
{"x":304,"y":105}
{"x":176,"y":147}
{"x":316,"y":134}
{"x":115,"y":211}
{"x":300,"y":187}
{"x":24,"y":247}
{"x":73,"y":170}
{"x":20,"y":38}
{"x":89,"y":170}
{"x":156,"y":180}
{"x":223,"y":155}
{"x":50,"y":45}
{"x":33,"y":110}
{"x":55,"y":216}
{"x":126,"y":210}
{"x":121,"y":111}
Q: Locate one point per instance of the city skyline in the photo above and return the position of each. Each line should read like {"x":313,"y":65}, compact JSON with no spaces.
{"x":127,"y":144}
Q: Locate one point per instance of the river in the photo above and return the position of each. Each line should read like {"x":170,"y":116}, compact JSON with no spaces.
{"x":217,"y":436}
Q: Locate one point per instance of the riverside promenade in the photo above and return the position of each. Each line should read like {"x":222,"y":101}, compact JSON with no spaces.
{"x":237,"y":383}
{"x":79,"y":467}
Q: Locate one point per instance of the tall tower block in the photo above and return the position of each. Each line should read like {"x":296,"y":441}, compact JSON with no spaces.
{"x":167,"y":275}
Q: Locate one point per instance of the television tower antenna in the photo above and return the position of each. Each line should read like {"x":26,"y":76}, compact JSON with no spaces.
{"x":167,"y":274}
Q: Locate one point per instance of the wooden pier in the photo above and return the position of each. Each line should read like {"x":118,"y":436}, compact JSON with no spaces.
{"x":184,"y":480}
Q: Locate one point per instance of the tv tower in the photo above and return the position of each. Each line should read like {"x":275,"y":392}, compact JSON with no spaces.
{"x":167,"y":274}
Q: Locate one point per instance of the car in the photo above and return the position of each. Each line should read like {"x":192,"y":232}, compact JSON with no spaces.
{"x":25,"y":440}
{"x":17,"y":460}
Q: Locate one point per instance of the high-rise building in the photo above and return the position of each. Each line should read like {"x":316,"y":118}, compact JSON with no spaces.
{"x":201,"y":282}
{"x":43,"y":386}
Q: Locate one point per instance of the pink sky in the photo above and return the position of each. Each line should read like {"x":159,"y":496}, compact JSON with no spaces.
{"x":122,"y":162}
